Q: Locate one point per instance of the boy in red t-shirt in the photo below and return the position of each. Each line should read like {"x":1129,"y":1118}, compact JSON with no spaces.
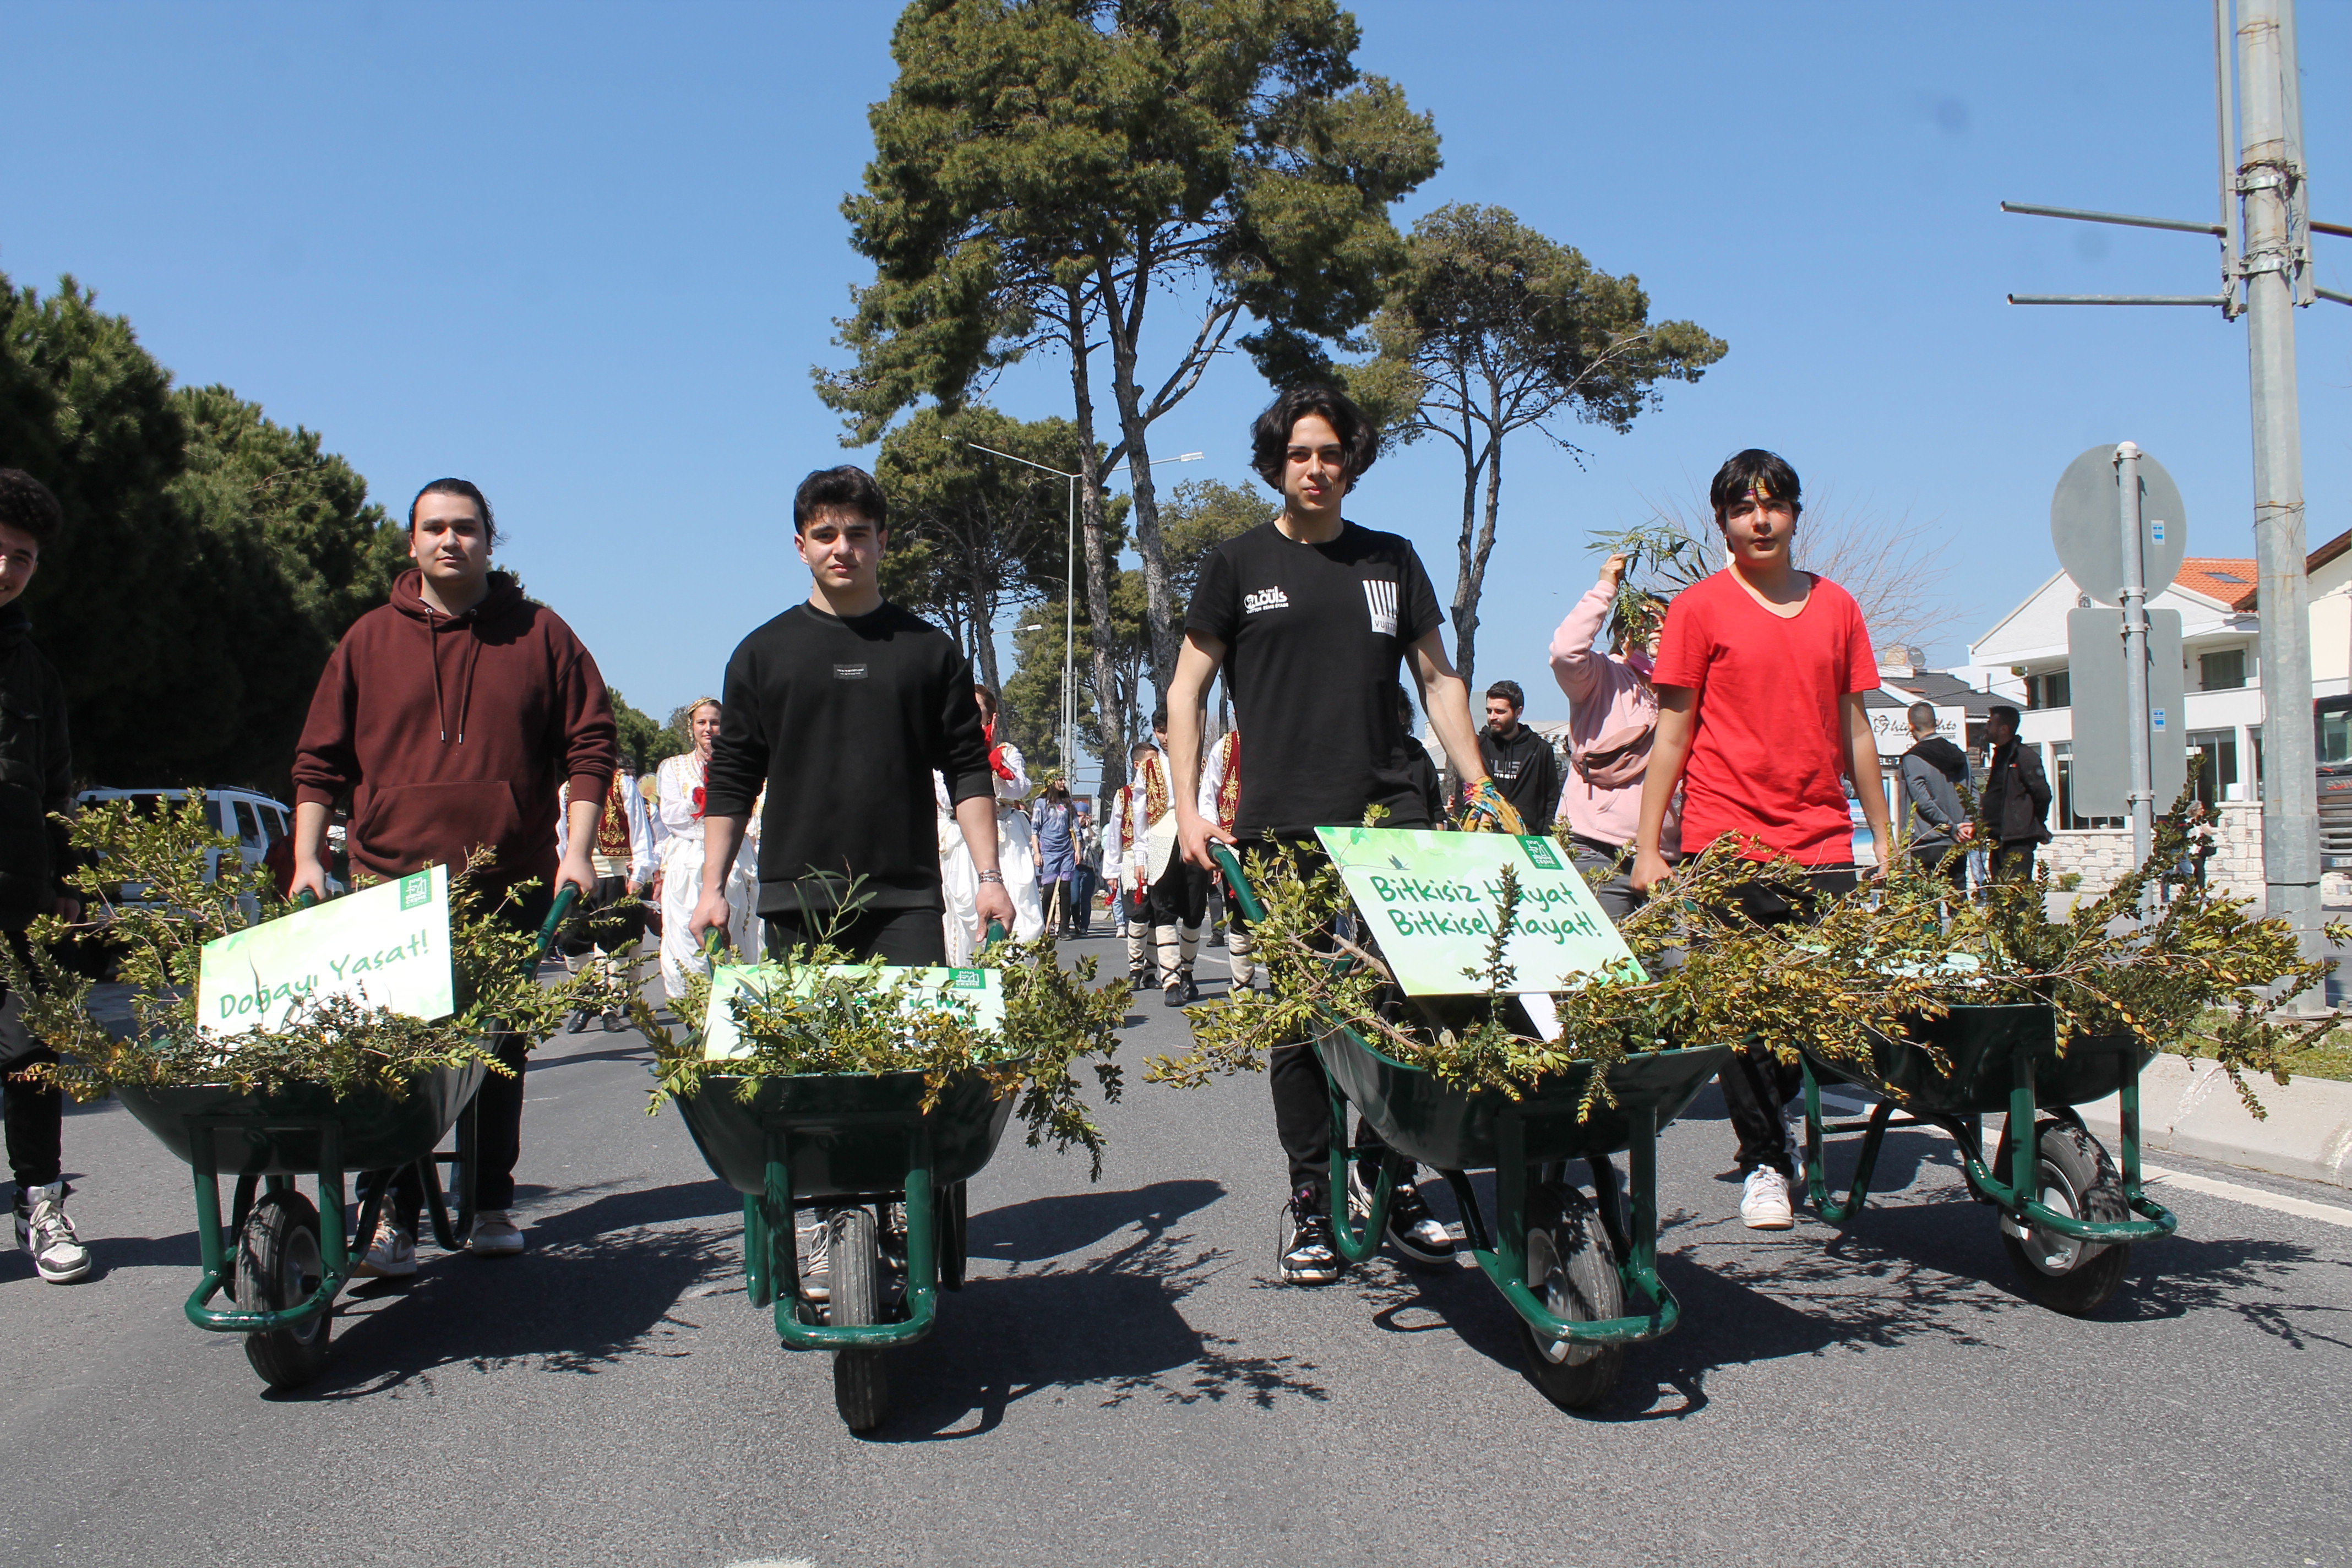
{"x":1760,"y":675}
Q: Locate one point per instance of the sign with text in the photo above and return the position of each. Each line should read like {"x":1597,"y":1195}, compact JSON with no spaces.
{"x":1433,"y":899}
{"x":1891,"y":726}
{"x":981,"y":990}
{"x":386,"y":947}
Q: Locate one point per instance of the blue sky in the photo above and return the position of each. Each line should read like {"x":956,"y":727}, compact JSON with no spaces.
{"x":586,"y":253}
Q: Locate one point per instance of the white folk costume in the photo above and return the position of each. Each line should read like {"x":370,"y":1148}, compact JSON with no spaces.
{"x":1016,"y":857}
{"x":1146,"y":808}
{"x":680,"y":784}
{"x":1220,"y":802}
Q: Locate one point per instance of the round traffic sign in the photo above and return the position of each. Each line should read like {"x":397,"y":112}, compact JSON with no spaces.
{"x":2086,"y":525}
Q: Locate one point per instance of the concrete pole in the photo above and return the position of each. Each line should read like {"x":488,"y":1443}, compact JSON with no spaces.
{"x":2267,"y":172}
{"x":2141,"y":798}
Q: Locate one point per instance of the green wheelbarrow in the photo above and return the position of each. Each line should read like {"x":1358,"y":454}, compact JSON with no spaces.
{"x":282,"y":1258}
{"x":2066,"y":1212}
{"x":861,"y":1151}
{"x":1580,"y":1273}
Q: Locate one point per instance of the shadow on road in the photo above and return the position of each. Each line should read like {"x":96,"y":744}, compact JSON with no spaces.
{"x":598,"y":1285}
{"x":1109,"y":1325}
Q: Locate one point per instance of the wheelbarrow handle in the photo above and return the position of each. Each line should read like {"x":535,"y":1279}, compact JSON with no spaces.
{"x":1236,"y":879}
{"x":567,"y":898}
{"x":995,"y":932}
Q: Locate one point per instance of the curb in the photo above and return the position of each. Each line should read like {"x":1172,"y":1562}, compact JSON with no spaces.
{"x":2189,"y":1108}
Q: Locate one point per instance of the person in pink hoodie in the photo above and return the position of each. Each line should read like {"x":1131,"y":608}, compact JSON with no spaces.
{"x":1612,"y":714}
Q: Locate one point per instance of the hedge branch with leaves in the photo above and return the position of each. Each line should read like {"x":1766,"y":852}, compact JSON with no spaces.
{"x":1897,"y":949}
{"x":160,"y":930}
{"x":855,"y":1018}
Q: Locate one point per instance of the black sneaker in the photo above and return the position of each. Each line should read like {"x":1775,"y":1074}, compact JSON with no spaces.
{"x":1307,"y":1255}
{"x":1412,"y":1229}
{"x":1182,"y":991}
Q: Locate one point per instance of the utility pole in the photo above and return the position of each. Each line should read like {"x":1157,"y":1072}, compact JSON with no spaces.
{"x":2276,"y":267}
{"x":2265,"y":232}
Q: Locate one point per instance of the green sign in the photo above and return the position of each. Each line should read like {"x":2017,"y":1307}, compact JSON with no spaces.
{"x":1431,"y":900}
{"x":981,"y":990}
{"x":386,"y":947}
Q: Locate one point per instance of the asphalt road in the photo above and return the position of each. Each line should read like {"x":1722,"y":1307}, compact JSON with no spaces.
{"x":1122,"y":1383}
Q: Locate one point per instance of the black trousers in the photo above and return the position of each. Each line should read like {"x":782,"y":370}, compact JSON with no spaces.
{"x":36,"y":1119}
{"x":2014,"y":862}
{"x":497,"y":1107}
{"x":1180,"y":896}
{"x":1954,"y":869}
{"x":911,"y":937}
{"x":1756,"y":1084}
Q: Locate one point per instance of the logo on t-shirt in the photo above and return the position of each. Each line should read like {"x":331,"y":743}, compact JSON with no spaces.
{"x":1264,"y":599}
{"x":849,"y":672}
{"x":1380,"y":599}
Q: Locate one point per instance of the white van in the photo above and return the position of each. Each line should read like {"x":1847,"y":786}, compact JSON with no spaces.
{"x":253,"y":819}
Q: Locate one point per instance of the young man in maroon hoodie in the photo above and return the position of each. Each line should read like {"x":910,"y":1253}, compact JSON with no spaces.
{"x":452,"y":716}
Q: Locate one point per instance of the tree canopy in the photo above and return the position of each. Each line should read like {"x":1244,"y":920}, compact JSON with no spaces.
{"x":1491,"y":327}
{"x":1042,"y":167}
{"x":211,"y":558}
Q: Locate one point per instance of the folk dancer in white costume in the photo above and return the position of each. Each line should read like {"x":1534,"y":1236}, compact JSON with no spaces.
{"x":1127,"y":858}
{"x":1016,"y":847}
{"x":1179,"y":892}
{"x":1221,"y":797}
{"x":679,"y":782}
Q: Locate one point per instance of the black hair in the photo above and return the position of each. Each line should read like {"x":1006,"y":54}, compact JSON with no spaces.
{"x":2003,"y":710}
{"x":1138,"y":749}
{"x":1159,"y":717}
{"x":848,"y":487}
{"x":1509,"y":690}
{"x":30,"y":507}
{"x":1922,"y":713}
{"x":1404,"y":706}
{"x":1757,"y":468}
{"x":470,"y":491}
{"x":1359,"y":439}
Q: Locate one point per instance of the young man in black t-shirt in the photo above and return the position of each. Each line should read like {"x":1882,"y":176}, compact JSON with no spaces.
{"x":1309,"y":616}
{"x":842,"y":708}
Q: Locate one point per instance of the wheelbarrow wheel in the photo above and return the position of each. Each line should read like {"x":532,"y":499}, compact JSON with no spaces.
{"x":1572,"y":1270}
{"x":861,"y":1381}
{"x":278,"y":1265}
{"x":2074,"y":1178}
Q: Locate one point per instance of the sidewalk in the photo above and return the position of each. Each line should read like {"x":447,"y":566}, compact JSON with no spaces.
{"x":2189,"y":1108}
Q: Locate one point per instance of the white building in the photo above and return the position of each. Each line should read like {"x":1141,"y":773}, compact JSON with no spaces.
{"x":2022,"y":661}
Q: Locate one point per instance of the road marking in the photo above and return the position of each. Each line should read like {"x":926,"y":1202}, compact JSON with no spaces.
{"x":2278,"y":1203}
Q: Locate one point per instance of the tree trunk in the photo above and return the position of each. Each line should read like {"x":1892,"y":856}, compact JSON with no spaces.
{"x":1160,"y":612}
{"x":1108,"y":709}
{"x":1465,"y":583}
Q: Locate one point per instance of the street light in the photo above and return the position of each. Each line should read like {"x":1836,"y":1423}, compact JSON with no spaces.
{"x":1070,"y":592}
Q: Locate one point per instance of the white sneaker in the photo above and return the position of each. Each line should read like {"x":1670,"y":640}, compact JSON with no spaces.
{"x":392,"y":1254}
{"x":494,"y":1234}
{"x":1792,"y":1127}
{"x":1764,"y":1201}
{"x":43,"y":1230}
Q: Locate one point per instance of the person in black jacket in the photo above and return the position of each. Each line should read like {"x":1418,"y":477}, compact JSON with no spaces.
{"x":1520,"y":761}
{"x":2016,"y":798}
{"x":1424,"y":768}
{"x":36,"y":793}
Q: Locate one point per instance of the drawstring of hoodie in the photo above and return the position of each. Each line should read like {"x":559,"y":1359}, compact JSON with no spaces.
{"x":465,"y":687}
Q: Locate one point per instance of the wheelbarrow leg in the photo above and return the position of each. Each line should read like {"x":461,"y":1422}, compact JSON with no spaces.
{"x":1356,"y":1246}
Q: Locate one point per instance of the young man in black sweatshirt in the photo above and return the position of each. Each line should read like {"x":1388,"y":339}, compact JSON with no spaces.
{"x":1519,"y":760}
{"x":842,"y":709}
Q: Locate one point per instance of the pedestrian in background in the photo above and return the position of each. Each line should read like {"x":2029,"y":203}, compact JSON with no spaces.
{"x":36,"y":781}
{"x":1933,"y":770}
{"x":1086,"y":839}
{"x":2016,"y":799}
{"x":1056,"y":822}
{"x":1520,"y":761}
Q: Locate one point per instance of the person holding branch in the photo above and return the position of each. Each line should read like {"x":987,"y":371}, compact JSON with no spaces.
{"x":1760,"y":674}
{"x":842,"y":709}
{"x":1309,"y":616}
